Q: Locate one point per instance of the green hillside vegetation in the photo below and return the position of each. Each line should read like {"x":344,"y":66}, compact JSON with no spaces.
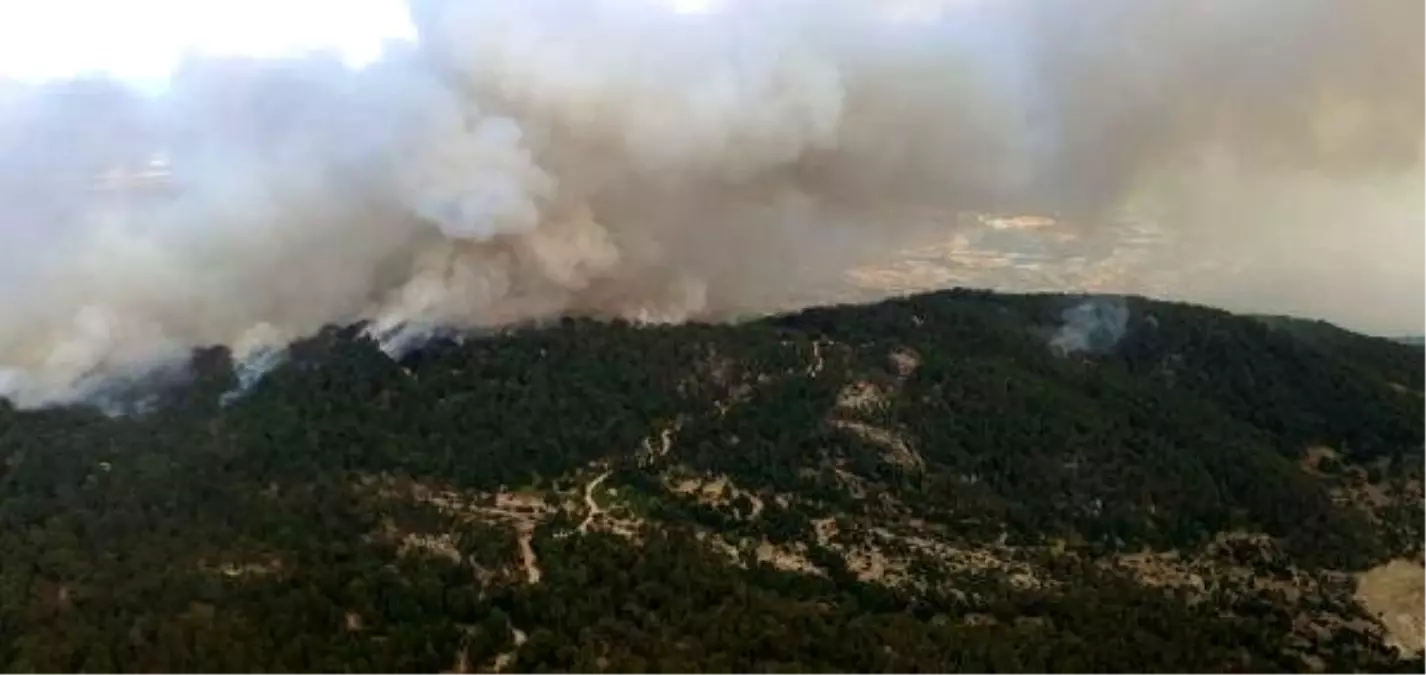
{"x":917,"y":484}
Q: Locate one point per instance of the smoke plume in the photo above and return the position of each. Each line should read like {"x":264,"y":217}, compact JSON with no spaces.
{"x":1094,"y":326}
{"x":528,"y":159}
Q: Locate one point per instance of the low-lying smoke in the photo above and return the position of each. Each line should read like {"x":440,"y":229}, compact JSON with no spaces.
{"x":537,"y":158}
{"x":1095,"y":326}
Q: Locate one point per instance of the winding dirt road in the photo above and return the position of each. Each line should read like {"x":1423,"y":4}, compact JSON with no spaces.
{"x":592,"y":507}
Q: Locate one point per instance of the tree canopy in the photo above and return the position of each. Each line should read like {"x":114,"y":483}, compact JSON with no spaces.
{"x":916,"y":484}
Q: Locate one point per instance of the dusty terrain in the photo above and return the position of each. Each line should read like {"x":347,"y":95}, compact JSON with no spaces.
{"x":1395,"y":594}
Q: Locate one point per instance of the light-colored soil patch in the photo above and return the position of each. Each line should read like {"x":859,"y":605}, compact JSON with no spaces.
{"x":864,"y":397}
{"x":504,"y":505}
{"x":1172,"y":569}
{"x":791,"y":559}
{"x":522,"y":510}
{"x":714,"y":491}
{"x":527,"y":553}
{"x":1355,"y":489}
{"x":439,"y":545}
{"x":1161,"y":570}
{"x":861,"y":396}
{"x":879,"y":555}
{"x":757,"y":503}
{"x":869,"y":563}
{"x":1394,"y":594}
{"x":711,"y":490}
{"x":502,"y":661}
{"x":897,"y":450}
{"x":996,"y":557}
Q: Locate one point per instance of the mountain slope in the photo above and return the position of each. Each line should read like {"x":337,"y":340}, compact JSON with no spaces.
{"x":919,"y":483}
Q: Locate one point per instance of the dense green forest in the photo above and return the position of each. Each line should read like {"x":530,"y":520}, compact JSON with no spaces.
{"x":919,"y":484}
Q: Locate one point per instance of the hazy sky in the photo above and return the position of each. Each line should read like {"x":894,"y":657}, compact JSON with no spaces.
{"x":141,"y":40}
{"x":1267,"y":136}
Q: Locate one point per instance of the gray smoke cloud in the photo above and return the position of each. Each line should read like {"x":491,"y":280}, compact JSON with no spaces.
{"x":538,"y":158}
{"x":1095,"y":326}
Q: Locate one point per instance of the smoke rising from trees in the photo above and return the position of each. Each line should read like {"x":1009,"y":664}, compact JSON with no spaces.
{"x":533,"y":159}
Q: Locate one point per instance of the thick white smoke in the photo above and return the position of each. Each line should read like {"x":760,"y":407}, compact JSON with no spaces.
{"x":537,"y":158}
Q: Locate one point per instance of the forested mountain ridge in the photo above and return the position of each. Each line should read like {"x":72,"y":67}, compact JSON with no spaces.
{"x":917,"y":484}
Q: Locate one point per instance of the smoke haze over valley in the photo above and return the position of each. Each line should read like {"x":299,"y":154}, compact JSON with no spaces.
{"x":520,"y":161}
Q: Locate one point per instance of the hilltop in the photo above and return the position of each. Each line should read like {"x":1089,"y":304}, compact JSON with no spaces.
{"x":926,"y":483}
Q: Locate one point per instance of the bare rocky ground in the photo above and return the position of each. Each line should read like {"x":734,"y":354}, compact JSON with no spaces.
{"x":894,"y":553}
{"x":1395,"y":594}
